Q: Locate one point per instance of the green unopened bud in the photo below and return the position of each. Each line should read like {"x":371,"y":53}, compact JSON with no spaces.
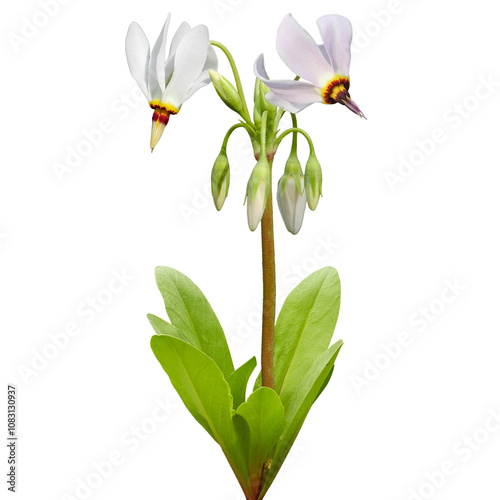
{"x":226,"y":91}
{"x":258,"y":188}
{"x":220,"y":180}
{"x":266,"y":105}
{"x":314,"y":181}
{"x":257,"y":108}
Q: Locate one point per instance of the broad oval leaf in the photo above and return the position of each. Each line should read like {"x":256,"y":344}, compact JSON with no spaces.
{"x":190,"y":312}
{"x":304,"y":328}
{"x":202,"y":387}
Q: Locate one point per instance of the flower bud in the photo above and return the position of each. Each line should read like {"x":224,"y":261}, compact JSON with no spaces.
{"x":265,"y":104}
{"x":226,"y":91}
{"x":220,"y":180}
{"x":258,"y":188}
{"x":261,"y":104}
{"x":292,"y":201}
{"x":313,"y":181}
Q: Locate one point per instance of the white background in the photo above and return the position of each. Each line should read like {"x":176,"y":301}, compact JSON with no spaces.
{"x":385,"y":425}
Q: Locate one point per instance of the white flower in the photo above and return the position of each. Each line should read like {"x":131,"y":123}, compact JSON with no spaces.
{"x":169,"y":81}
{"x":325,"y":67}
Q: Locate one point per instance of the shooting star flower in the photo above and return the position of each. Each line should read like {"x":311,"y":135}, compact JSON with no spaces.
{"x":167,"y":82}
{"x":325,"y":67}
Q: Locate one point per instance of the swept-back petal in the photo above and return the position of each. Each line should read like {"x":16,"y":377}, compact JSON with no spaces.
{"x":190,"y":58}
{"x":290,"y":95}
{"x":324,"y":52}
{"x":157,"y":63}
{"x":336,"y":33}
{"x":290,"y":106}
{"x":204,"y":78}
{"x":182,"y":30}
{"x":301,"y":53}
{"x":137,"y":51}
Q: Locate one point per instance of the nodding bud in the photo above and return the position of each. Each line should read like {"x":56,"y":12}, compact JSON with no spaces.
{"x":314,"y":181}
{"x":220,"y":179}
{"x":226,"y":91}
{"x":258,"y":188}
{"x":291,"y":195}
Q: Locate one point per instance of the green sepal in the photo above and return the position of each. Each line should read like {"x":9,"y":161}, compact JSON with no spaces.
{"x":260,"y":173}
{"x":294,"y":169}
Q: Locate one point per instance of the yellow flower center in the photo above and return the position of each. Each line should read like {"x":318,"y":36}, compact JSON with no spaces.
{"x":336,"y":90}
{"x":163,"y":108}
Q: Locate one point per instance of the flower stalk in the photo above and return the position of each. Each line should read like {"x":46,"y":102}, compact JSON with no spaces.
{"x":268,"y":274}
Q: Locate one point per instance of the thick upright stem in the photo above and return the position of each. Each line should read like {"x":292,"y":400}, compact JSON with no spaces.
{"x":269,"y":295}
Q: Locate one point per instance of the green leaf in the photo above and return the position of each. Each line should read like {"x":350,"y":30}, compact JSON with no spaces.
{"x":206,"y":394}
{"x":238,"y":381}
{"x":304,"y":328}
{"x":298,"y":408}
{"x":264,"y":415}
{"x":161,"y":327}
{"x":325,"y":383}
{"x":190,"y":312}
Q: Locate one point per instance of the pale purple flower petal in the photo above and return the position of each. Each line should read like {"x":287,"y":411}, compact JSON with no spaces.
{"x":301,"y":54}
{"x":295,"y":93}
{"x":336,"y":33}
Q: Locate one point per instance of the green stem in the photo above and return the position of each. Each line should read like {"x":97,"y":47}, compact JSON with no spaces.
{"x":289,"y":131}
{"x":244,"y":112}
{"x":268,"y":274}
{"x":269,"y":292}
{"x":263,"y":132}
{"x":294,"y":140}
{"x":250,"y":131}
